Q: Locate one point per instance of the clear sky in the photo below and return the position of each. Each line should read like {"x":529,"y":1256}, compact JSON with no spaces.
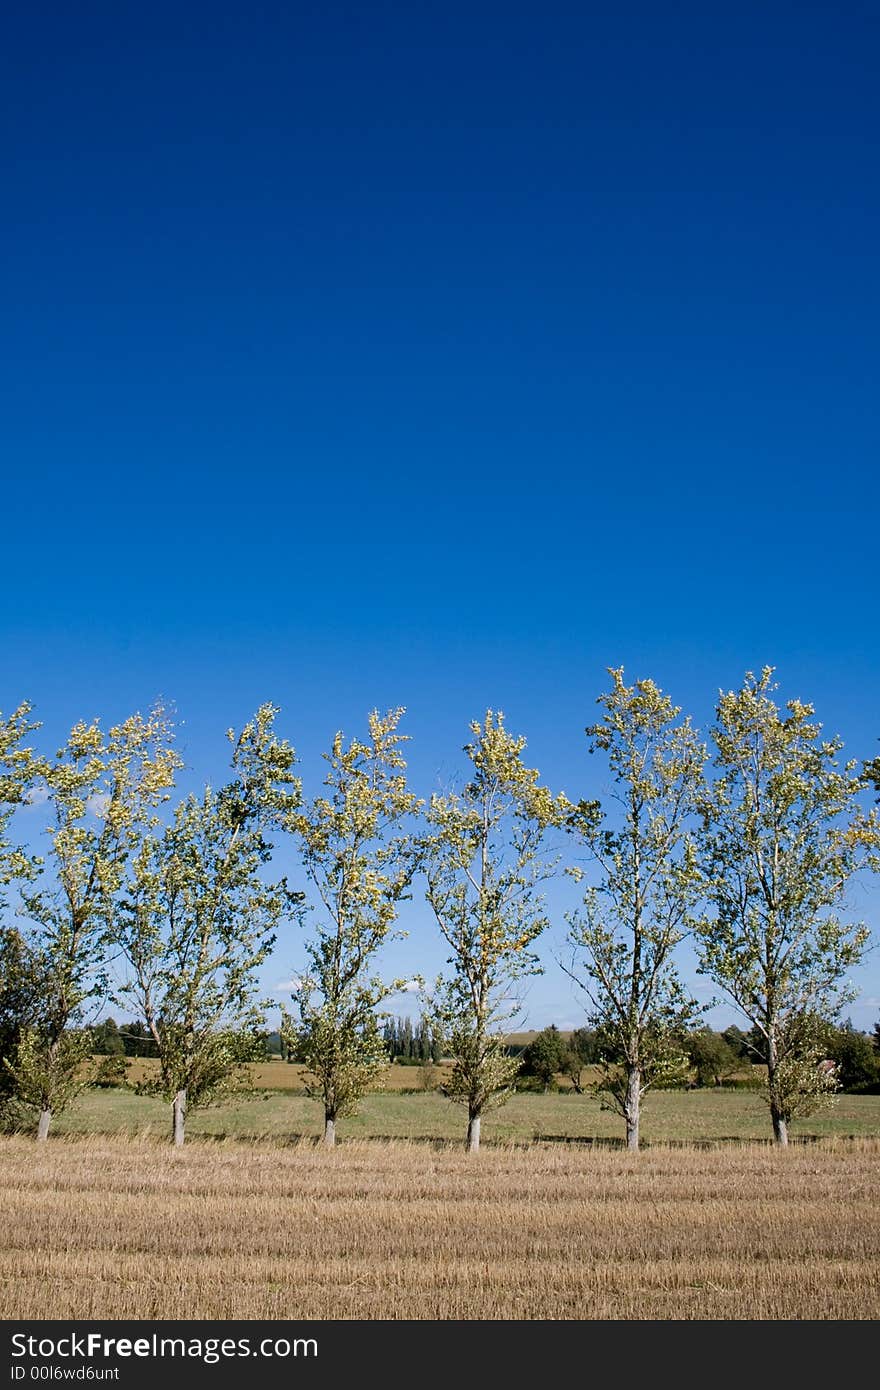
{"x":362,"y":355}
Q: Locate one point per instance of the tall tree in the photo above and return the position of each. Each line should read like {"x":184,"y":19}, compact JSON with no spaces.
{"x":484,"y":862}
{"x":783,"y":835}
{"x":102,"y":791}
{"x":637,"y":912}
{"x":359,"y":856}
{"x":198,"y":920}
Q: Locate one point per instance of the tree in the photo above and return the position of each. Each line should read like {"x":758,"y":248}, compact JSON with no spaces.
{"x":137,"y":1039}
{"x":403,"y":1040}
{"x":360,"y":859}
{"x":854,"y":1057}
{"x":198,"y":921}
{"x":648,"y":882}
{"x":484,"y":863}
{"x":712,"y":1056}
{"x":582,"y":1051}
{"x":102,"y":791}
{"x":107,"y":1040}
{"x":740,"y":1043}
{"x":783,"y":835}
{"x":428,"y":1040}
{"x":544,"y":1056}
{"x":408,"y":1042}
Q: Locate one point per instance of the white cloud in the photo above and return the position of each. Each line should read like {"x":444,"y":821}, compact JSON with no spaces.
{"x":97,"y":804}
{"x":284,"y":986}
{"x":36,"y":796}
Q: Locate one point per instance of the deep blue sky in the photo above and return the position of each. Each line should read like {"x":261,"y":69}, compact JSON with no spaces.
{"x":358,"y":355}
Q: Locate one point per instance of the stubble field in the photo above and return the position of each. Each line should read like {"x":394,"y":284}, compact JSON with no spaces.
{"x":116,"y":1227}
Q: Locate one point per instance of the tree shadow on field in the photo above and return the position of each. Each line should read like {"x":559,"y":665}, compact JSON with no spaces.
{"x":716,"y":1142}
{"x":294,"y":1140}
{"x":251,"y":1136}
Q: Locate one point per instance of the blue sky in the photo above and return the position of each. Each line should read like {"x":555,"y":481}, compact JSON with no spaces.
{"x":357,"y":356}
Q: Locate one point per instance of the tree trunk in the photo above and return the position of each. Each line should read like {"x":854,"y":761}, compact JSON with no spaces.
{"x":632,"y":1105}
{"x":43,"y":1125}
{"x":178,"y":1129}
{"x":329,"y":1129}
{"x":473,"y":1134}
{"x":777,"y":1114}
{"x":780,"y":1125}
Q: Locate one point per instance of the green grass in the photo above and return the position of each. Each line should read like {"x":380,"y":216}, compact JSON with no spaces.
{"x":668,"y":1116}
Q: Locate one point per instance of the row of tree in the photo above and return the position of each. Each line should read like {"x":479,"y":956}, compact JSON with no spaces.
{"x":752,"y":860}
{"x":707,"y":1057}
{"x":406,"y":1041}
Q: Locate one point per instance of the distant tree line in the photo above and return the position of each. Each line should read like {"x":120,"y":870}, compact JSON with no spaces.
{"x":412,"y":1042}
{"x":707,"y":1057}
{"x":746,"y":845}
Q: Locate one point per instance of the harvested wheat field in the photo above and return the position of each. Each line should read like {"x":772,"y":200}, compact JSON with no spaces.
{"x":129,"y":1229}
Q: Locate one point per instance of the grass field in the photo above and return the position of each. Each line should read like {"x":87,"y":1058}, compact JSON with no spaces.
{"x":121,"y":1228}
{"x":282,"y":1115}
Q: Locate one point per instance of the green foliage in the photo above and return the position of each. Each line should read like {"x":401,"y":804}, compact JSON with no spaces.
{"x":484,"y":866}
{"x":48,"y":1071}
{"x":742,"y":1044}
{"x":102,"y":791}
{"x":112,"y":1070}
{"x":198,"y":920}
{"x":665,"y":1067}
{"x":800,"y":1082}
{"x":107,"y":1039}
{"x":544,"y":1057}
{"x":713,"y":1057}
{"x":648,"y":885}
{"x":360,"y":859}
{"x":783,"y":835}
{"x":343,"y":1049}
{"x":429,"y":1074}
{"x":413,"y":1044}
{"x":581,"y":1051}
{"x":137,"y":1040}
{"x":855,"y":1058}
{"x":206,"y":1065}
{"x":19,"y":768}
{"x":22,"y":989}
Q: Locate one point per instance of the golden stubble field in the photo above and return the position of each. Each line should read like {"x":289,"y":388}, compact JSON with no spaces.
{"x":126,"y":1228}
